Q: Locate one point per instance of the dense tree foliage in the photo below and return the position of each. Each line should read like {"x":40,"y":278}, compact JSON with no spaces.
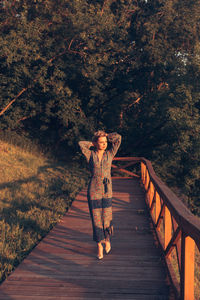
{"x":167,"y":35}
{"x":71,"y":67}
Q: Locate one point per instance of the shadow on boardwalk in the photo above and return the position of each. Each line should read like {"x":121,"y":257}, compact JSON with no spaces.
{"x":64,"y":264}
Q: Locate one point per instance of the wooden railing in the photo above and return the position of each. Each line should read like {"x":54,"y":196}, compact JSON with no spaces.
{"x":177,"y":229}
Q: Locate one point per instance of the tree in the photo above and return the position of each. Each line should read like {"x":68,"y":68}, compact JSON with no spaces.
{"x":69,"y":68}
{"x":164,"y":125}
{"x":37,"y":67}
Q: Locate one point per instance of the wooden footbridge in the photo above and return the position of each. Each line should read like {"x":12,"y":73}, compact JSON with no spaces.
{"x":152,"y":256}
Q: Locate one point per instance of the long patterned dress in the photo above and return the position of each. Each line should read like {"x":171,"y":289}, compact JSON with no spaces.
{"x":100,"y":187}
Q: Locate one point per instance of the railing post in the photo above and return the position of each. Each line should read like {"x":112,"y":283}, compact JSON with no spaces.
{"x":147,"y":179}
{"x":187,"y":267}
{"x":168,"y":227}
{"x":151,"y":194}
{"x":157,"y":207}
{"x":142,"y":172}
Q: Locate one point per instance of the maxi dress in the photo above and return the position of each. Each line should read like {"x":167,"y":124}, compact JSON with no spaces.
{"x":99,"y":193}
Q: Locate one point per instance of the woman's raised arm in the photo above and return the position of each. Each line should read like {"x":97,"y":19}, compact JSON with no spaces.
{"x":115,"y":139}
{"x":85,"y":148}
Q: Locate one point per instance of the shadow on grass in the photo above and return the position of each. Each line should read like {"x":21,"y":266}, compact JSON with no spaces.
{"x":35,"y":217}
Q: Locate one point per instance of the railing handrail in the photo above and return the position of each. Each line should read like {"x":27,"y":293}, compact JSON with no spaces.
{"x":180,"y":229}
{"x":183,"y":216}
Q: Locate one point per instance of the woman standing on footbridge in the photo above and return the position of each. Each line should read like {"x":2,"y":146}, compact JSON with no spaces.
{"x":99,"y":192}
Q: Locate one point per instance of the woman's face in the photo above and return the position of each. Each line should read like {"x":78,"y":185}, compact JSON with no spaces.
{"x":102,"y":143}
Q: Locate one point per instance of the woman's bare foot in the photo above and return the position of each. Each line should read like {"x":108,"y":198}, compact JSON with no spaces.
{"x":100,"y":251}
{"x":107,"y":246}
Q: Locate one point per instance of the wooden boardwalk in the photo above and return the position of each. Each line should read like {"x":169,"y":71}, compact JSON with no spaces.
{"x":64,"y":265}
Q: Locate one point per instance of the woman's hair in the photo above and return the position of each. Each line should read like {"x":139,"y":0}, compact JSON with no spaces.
{"x":99,"y":133}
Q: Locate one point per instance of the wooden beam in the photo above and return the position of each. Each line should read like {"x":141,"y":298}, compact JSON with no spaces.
{"x":160,"y":217}
{"x":130,"y":164}
{"x":125,"y":171}
{"x":136,"y":159}
{"x":173,"y":241}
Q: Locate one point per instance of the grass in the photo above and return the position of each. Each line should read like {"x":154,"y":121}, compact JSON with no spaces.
{"x":35,"y":192}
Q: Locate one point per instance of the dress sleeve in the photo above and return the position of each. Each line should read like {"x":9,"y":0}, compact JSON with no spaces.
{"x":85,"y":148}
{"x":115,"y":139}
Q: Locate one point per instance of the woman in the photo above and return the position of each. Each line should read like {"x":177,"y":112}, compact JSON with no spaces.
{"x":100,"y":186}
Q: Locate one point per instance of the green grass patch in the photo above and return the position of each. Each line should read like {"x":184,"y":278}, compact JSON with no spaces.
{"x":35,"y":192}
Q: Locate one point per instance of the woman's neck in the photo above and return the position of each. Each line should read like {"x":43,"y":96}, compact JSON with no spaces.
{"x":100,"y":151}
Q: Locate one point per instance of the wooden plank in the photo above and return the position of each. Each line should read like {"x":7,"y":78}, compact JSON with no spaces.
{"x":64,"y":264}
{"x":94,"y":296}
